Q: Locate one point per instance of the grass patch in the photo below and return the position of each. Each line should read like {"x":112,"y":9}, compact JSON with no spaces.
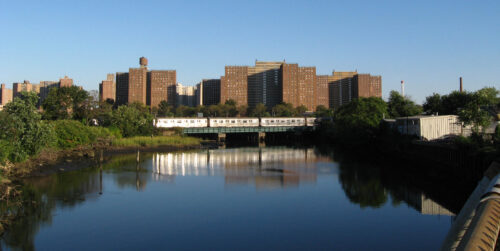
{"x":156,"y":141}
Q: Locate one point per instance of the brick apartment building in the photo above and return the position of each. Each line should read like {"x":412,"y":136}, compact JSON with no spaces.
{"x":149,"y":88}
{"x":208,"y":92}
{"x":161,"y":86}
{"x":65,"y":82}
{"x":107,"y":89}
{"x":345,"y":86}
{"x":234,"y":85}
{"x":270,"y":83}
{"x":5,"y":95}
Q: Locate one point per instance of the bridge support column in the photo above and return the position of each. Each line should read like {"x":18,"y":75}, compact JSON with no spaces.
{"x":262,"y":139}
{"x":221,"y":138}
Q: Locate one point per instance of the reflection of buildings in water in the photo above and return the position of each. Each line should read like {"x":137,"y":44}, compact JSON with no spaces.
{"x":425,"y":205}
{"x":281,"y":166}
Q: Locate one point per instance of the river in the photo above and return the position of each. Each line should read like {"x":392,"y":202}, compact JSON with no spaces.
{"x":239,"y":199}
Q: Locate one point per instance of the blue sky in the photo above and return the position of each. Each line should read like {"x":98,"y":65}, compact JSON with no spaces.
{"x":429,"y":44}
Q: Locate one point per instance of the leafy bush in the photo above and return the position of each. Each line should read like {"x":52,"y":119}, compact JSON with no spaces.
{"x":21,"y":126}
{"x":5,"y":150}
{"x":133,"y":120}
{"x":71,"y":133}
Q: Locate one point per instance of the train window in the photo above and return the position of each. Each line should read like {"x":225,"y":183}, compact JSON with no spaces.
{"x":272,"y":121}
{"x":244,"y":121}
{"x":232,"y":121}
{"x":227,"y":121}
{"x":293,"y":120}
{"x":192,"y":121}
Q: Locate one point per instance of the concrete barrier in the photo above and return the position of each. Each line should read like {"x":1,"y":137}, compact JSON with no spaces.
{"x":478,"y":223}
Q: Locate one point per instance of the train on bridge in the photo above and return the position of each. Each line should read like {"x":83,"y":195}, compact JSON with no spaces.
{"x":234,"y":122}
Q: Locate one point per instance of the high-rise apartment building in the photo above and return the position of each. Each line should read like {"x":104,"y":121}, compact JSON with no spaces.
{"x":17,"y":88}
{"x":161,"y":86}
{"x":322,"y":91}
{"x":234,"y":85}
{"x":65,"y":82}
{"x":210,"y":91}
{"x":264,"y":85}
{"x":107,"y":89}
{"x":44,"y":89}
{"x":121,"y":88}
{"x":149,"y":88}
{"x":345,"y":86}
{"x":299,"y":85}
{"x":137,"y":85}
{"x":186,"y":95}
{"x":5,"y":95}
{"x":366,"y":85}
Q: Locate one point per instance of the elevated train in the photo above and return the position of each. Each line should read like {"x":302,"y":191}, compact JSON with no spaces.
{"x":233,"y":122}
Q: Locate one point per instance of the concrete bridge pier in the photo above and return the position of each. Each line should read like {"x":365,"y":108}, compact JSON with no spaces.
{"x":262,"y":139}
{"x":221,"y":139}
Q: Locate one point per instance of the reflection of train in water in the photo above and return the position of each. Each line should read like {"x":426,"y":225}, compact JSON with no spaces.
{"x":234,"y":122}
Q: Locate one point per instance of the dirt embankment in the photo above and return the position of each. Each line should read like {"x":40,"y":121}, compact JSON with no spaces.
{"x":52,"y":161}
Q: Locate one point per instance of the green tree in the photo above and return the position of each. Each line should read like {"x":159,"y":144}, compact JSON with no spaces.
{"x":133,"y":120}
{"x":453,"y":102}
{"x":323,"y":112}
{"x":300,"y":110}
{"x":400,"y":106}
{"x":21,"y":125}
{"x":260,"y":110}
{"x":242,"y":110}
{"x":283,"y":110}
{"x":230,"y":102}
{"x":62,"y":102}
{"x":433,"y":104}
{"x":165,"y":110}
{"x":488,"y":96}
{"x":359,"y":119}
{"x":472,"y":114}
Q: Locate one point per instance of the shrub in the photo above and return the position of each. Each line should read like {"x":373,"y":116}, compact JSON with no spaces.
{"x":71,"y":133}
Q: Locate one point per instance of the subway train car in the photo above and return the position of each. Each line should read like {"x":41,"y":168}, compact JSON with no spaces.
{"x":311,"y":121}
{"x":233,"y":122}
{"x":282,"y":121}
{"x":181,"y":122}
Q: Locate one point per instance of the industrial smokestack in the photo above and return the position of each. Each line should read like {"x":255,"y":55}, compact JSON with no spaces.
{"x":402,"y":88}
{"x":461,"y":85}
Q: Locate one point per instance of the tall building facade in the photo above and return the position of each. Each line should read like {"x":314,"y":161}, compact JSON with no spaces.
{"x":5,"y":95}
{"x":146,"y":87}
{"x":161,"y":86}
{"x":210,"y":91}
{"x":107,"y":89}
{"x":234,"y":85}
{"x":137,"y":85}
{"x":17,"y":88}
{"x":65,"y":82}
{"x":272,"y":83}
{"x":345,"y":86}
{"x":299,"y":85}
{"x":121,"y":88}
{"x":186,"y":95}
{"x":264,"y":85}
{"x":322,"y":92}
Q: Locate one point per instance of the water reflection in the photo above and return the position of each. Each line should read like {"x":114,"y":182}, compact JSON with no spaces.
{"x":262,"y":168}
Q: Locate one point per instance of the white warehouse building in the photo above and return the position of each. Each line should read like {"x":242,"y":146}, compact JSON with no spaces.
{"x":429,"y":127}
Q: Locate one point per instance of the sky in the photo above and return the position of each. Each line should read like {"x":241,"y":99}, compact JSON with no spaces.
{"x":428,"y":44}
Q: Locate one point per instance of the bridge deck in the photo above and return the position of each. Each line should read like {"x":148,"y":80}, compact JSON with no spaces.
{"x":206,"y":130}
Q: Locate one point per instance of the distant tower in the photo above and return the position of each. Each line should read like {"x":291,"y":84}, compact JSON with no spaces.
{"x":143,"y":61}
{"x":402,"y":88}
{"x":461,"y":85}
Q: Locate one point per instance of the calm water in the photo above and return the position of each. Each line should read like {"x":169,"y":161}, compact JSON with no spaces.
{"x":238,"y":199}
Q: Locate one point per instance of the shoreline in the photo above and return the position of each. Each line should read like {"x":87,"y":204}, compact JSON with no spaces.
{"x":54,"y":161}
